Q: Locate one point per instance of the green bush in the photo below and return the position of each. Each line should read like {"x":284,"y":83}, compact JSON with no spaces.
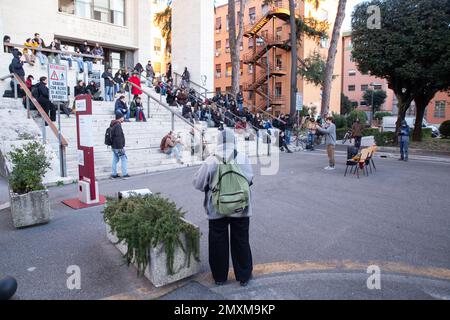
{"x":30,"y":165}
{"x":143,"y":222}
{"x":369,"y":132}
{"x":340,"y":133}
{"x":340,"y":121}
{"x":381,"y":114}
{"x":356,"y":114}
{"x":385,"y":138}
{"x":444,"y":129}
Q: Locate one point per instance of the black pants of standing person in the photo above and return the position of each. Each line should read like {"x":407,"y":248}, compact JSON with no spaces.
{"x":49,"y":108}
{"x":358,"y":142}
{"x":219,"y":248}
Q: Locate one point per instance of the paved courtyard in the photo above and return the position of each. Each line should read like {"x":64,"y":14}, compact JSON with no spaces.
{"x":313,"y":235}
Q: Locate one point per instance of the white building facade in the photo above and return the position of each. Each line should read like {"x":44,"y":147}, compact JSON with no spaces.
{"x":124,"y":28}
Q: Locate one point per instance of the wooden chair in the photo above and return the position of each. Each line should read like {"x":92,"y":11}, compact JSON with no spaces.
{"x":358,"y":162}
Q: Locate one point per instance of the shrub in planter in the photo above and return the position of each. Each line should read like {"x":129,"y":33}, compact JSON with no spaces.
{"x":144,"y":222}
{"x":385,"y":138}
{"x":340,"y":133}
{"x":29,"y":199}
{"x":340,"y":121}
{"x":369,"y":132}
{"x":444,"y":129}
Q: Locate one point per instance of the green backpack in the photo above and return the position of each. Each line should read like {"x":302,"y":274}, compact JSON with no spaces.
{"x":231,"y":190}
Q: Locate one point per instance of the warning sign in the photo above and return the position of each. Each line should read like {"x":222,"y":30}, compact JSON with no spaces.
{"x":57,"y":83}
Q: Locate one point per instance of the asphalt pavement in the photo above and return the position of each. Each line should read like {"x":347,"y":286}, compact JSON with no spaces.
{"x":313,"y":235}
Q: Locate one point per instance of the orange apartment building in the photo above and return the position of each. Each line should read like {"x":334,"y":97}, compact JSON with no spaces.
{"x":354,"y":84}
{"x":266,"y":36}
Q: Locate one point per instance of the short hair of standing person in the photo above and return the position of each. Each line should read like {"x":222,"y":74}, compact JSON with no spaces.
{"x":30,"y":77}
{"x":42,"y":79}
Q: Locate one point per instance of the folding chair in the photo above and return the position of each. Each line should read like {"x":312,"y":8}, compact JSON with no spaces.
{"x":358,"y":162}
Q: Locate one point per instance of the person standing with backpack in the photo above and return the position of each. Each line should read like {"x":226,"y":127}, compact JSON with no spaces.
{"x":115,"y":138}
{"x":225,"y":178}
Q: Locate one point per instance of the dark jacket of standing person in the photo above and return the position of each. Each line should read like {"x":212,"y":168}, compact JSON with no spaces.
{"x":117,"y":136}
{"x":108,"y":77}
{"x":186,"y":75}
{"x":17,"y":64}
{"x":357,"y":129}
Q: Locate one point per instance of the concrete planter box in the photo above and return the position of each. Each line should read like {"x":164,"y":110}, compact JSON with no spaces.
{"x":30,"y":209}
{"x":156,"y":271}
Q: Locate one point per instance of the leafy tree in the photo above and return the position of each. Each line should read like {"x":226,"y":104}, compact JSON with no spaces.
{"x":411,"y":50}
{"x":346,"y":104}
{"x":379,"y":98}
{"x":163,"y":20}
{"x":356,"y":114}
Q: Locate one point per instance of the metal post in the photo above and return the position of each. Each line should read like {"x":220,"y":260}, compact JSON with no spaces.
{"x":268,"y":77}
{"x":44,"y":132}
{"x":257,"y":143}
{"x":15,"y":88}
{"x":62,"y":160}
{"x":173,"y":122}
{"x":28,"y":108}
{"x":203,"y":145}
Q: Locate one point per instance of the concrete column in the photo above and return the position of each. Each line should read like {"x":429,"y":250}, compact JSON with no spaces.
{"x":193,"y":40}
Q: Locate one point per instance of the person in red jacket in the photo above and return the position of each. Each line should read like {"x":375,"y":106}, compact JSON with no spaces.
{"x":135,"y":80}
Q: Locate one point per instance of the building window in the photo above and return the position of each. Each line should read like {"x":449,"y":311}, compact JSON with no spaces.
{"x":351,"y":87}
{"x":363,"y":103}
{"x":278,"y":89}
{"x":218,"y":70}
{"x":157,"y":45}
{"x":352,"y":73}
{"x":229,"y":69}
{"x":227,"y":45}
{"x":250,"y":43}
{"x":324,"y":42}
{"x":228,"y":23}
{"x":439,"y":109}
{"x":378,"y":87}
{"x":252,"y":15}
{"x":218,"y":90}
{"x":279,"y":3}
{"x":228,"y":89}
{"x":279,"y":34}
{"x":364,"y":87}
{"x":250,"y":69}
{"x":354,"y":104}
{"x":218,"y":48}
{"x":218,"y":24}
{"x":279,"y":62}
{"x":157,"y":67}
{"x":111,"y":11}
{"x":241,"y":68}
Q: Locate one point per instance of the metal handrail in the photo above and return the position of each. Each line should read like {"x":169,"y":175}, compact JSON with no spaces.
{"x":174,"y":114}
{"x":194,"y":83}
{"x":7,"y":44}
{"x":38,"y":106}
{"x":270,"y":115}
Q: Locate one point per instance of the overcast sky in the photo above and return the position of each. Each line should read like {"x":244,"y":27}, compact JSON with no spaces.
{"x":347,"y":22}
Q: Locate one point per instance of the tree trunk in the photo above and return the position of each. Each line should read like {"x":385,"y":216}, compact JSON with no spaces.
{"x":235,"y":42}
{"x":294,"y":57}
{"x":326,"y":95}
{"x":422,"y":102}
{"x":404,"y":102}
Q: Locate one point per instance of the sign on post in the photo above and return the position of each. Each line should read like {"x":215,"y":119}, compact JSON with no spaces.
{"x":299,"y":101}
{"x":57,"y":83}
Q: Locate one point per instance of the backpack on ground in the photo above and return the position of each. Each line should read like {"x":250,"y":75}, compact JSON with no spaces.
{"x":108,"y":137}
{"x":231,"y":189}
